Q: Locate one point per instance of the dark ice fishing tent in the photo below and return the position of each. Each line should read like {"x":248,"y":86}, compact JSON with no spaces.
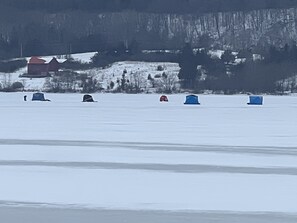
{"x":163,"y":98}
{"x":38,"y":97}
{"x":88,"y":98}
{"x":192,"y":100}
{"x":256,"y":100}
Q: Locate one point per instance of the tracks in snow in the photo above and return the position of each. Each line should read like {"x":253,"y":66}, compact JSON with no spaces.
{"x":292,"y":151}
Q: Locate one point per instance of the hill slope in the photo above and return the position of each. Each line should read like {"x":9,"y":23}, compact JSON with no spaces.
{"x":110,"y":74}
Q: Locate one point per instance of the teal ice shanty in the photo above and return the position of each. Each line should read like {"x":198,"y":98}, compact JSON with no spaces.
{"x":192,"y":100}
{"x":256,"y":100}
{"x":38,"y":97}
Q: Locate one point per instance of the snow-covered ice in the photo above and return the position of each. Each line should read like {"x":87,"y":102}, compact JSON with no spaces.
{"x":132,"y":152}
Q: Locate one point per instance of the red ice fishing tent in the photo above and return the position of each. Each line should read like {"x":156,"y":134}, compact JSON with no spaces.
{"x":163,"y":98}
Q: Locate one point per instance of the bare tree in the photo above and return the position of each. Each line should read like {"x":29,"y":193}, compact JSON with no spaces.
{"x":168,"y":83}
{"x":137,"y":83}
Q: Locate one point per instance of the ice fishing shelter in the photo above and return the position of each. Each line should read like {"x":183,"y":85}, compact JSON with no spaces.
{"x":88,"y":98}
{"x":255,"y":100}
{"x":192,"y":100}
{"x":38,"y":97}
{"x":163,"y":98}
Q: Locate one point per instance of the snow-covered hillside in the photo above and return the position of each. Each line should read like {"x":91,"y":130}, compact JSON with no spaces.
{"x":105,"y":76}
{"x":131,"y":68}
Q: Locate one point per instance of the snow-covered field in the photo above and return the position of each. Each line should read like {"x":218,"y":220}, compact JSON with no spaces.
{"x":131,"y":152}
{"x":104,"y":76}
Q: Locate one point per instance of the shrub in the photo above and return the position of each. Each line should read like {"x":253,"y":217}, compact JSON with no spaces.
{"x":17,"y":85}
{"x":12,"y":65}
{"x":160,"y":68}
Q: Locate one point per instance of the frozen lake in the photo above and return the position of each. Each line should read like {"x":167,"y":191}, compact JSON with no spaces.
{"x":130,"y":155}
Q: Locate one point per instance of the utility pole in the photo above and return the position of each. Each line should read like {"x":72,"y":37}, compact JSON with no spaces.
{"x":70,"y":49}
{"x":21,"y":50}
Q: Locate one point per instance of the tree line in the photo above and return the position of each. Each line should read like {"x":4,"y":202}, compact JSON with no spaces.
{"x":200,"y":70}
{"x":31,"y":28}
{"x":273,"y":72}
{"x":155,"y":6}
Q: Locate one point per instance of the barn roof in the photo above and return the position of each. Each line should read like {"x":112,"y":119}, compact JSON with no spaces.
{"x":49,"y":59}
{"x":36,"y":60}
{"x":45,"y":60}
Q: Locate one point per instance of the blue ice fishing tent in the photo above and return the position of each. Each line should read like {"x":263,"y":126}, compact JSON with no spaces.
{"x":256,"y":100}
{"x":38,"y":97}
{"x":192,"y":100}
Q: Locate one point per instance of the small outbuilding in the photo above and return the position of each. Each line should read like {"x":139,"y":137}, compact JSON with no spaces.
{"x":88,"y":98}
{"x":192,"y":100}
{"x":38,"y":97}
{"x":163,"y":98}
{"x":255,"y":100}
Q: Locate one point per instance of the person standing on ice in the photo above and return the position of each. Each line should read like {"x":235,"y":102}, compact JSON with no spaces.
{"x":25,"y":98}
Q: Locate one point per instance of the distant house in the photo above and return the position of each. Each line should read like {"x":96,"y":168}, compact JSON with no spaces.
{"x":38,"y":67}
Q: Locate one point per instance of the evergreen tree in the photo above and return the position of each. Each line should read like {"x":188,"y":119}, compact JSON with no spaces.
{"x":188,"y":73}
{"x":227,"y":57}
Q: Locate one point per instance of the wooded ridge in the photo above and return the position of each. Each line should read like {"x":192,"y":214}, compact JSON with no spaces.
{"x":43,"y":27}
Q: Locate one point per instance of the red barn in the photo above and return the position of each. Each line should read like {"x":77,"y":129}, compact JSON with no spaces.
{"x":53,"y":65}
{"x":40,"y":67}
